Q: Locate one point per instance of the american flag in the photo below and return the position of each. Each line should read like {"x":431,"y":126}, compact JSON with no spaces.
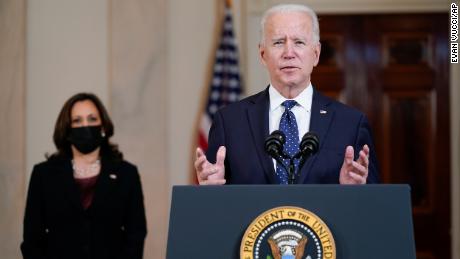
{"x":225,"y":87}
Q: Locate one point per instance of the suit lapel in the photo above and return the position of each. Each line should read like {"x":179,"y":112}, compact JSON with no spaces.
{"x":321,"y":117}
{"x":70,"y":187}
{"x":107,"y":180}
{"x":258,"y":122}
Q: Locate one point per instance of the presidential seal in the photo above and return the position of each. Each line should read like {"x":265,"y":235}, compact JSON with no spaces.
{"x":287,"y":233}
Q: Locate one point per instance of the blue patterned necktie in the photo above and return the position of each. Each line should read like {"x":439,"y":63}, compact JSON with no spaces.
{"x":288,"y":125}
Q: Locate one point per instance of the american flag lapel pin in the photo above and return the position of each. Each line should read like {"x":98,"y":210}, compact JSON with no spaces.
{"x":322,"y":112}
{"x":113,"y":176}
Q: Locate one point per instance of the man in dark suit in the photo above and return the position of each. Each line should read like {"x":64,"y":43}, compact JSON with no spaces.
{"x":289,"y":49}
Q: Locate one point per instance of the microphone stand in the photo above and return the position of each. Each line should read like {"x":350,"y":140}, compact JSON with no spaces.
{"x":291,"y":172}
{"x":290,"y":169}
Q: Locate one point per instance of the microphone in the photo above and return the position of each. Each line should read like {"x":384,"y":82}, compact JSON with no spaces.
{"x":308,"y":146}
{"x":274,"y":145}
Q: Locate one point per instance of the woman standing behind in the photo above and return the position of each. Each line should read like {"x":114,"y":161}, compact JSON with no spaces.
{"x":85,"y":201}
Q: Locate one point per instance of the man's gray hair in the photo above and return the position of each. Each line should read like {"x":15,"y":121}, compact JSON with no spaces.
{"x":290,"y":8}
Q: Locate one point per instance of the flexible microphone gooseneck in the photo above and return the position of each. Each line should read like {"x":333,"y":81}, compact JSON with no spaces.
{"x":308,"y":147}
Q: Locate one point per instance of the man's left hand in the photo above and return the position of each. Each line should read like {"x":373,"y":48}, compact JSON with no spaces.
{"x":355,"y":172}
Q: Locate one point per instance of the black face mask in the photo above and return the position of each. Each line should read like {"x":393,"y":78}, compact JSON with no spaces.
{"x":86,"y":139}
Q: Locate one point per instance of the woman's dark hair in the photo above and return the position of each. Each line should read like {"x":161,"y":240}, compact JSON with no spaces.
{"x":64,"y":122}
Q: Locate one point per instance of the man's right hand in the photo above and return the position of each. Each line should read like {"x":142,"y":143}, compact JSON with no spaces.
{"x":208,"y":173}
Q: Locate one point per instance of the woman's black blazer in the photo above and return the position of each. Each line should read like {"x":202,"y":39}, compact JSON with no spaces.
{"x":57,"y":226}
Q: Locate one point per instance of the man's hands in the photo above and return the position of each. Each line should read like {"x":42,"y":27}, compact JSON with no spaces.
{"x":355,"y":172}
{"x":352,"y":172}
{"x":208,"y":173}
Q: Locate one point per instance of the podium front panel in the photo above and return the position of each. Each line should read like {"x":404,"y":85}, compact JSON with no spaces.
{"x":366,"y":221}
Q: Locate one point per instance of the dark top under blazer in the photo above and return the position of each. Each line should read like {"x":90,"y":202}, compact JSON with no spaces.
{"x":242,"y":128}
{"x":57,"y":226}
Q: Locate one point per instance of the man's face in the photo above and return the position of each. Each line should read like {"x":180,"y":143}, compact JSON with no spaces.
{"x":288,"y":50}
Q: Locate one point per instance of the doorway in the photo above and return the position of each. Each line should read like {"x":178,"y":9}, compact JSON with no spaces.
{"x":394,"y":67}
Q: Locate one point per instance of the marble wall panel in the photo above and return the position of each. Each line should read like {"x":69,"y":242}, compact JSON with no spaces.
{"x":12,"y":125}
{"x":66,"y":53}
{"x":138,"y":96}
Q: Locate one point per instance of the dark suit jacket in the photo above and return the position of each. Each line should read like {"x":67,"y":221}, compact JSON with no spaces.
{"x":243,"y":127}
{"x":57,"y":226}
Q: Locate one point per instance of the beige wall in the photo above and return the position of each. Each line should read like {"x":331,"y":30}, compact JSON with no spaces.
{"x":12,"y":124}
{"x":66,"y":53}
{"x":150,"y":62}
{"x":191,"y":54}
{"x":189,"y":58}
{"x":138,"y":96}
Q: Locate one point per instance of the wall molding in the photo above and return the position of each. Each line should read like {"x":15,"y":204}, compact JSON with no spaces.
{"x":257,"y":7}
